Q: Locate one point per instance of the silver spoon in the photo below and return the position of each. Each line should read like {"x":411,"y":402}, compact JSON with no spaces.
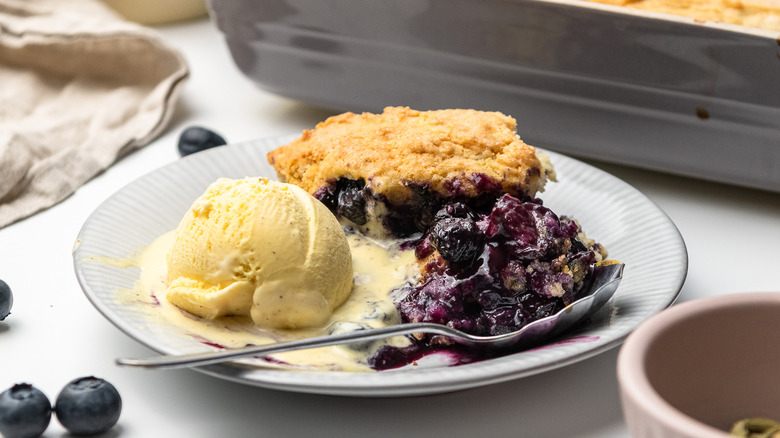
{"x":605,"y":281}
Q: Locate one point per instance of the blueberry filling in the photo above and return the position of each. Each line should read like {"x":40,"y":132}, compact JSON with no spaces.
{"x":352,"y":199}
{"x":528,"y":267}
{"x":491,"y":264}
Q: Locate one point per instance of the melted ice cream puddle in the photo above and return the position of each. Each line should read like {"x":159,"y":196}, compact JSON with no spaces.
{"x":379,"y":267}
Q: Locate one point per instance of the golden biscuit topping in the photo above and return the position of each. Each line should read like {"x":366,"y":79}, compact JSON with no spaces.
{"x":761,"y":14}
{"x":441,"y":150}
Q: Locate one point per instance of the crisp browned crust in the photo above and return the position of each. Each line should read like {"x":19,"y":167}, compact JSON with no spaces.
{"x":402,"y":146}
{"x":761,"y":14}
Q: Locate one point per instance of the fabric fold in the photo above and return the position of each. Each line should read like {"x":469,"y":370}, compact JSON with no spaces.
{"x":80,"y":88}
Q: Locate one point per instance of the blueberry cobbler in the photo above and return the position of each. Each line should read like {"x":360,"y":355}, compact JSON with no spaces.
{"x":459,"y":188}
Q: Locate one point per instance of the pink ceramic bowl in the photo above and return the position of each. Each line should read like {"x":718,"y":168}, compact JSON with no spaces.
{"x":696,"y":368}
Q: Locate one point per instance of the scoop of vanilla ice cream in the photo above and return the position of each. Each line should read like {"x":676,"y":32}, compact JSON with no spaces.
{"x":260,"y":248}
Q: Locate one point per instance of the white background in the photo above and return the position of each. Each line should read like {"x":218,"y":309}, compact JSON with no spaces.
{"x":54,"y":334}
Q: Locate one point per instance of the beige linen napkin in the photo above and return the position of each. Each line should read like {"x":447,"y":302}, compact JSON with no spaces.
{"x":79,"y":88}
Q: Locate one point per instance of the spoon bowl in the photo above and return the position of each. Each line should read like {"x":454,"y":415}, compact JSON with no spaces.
{"x":605,"y":280}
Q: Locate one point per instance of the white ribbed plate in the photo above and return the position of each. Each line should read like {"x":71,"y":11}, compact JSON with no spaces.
{"x":634,"y":230}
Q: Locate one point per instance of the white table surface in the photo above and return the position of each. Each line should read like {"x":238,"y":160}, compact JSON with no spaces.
{"x":55,"y":335}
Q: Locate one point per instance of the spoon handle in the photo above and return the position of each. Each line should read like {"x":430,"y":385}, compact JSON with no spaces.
{"x":212,"y":357}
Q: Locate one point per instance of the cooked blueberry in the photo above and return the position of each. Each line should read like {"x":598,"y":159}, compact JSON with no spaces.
{"x":486,"y":184}
{"x":88,"y":406}
{"x":6,"y":300}
{"x":423,"y":248}
{"x":327,"y":195}
{"x":577,"y":245}
{"x":546,"y":310}
{"x":196,"y":139}
{"x":25,"y":412}
{"x":455,"y":209}
{"x":422,"y":208}
{"x":458,"y":240}
{"x":387,"y":357}
{"x":351,"y":204}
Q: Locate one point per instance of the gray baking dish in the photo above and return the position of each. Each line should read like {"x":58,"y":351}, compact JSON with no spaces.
{"x":590,"y":80}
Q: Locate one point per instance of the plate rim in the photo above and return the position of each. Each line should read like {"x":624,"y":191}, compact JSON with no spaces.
{"x":460,"y":377}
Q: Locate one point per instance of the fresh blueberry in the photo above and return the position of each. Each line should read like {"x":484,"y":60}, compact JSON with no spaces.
{"x":196,"y":139}
{"x":25,"y":411}
{"x":458,"y":240}
{"x":351,"y":203}
{"x":6,"y":300}
{"x":88,"y":406}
